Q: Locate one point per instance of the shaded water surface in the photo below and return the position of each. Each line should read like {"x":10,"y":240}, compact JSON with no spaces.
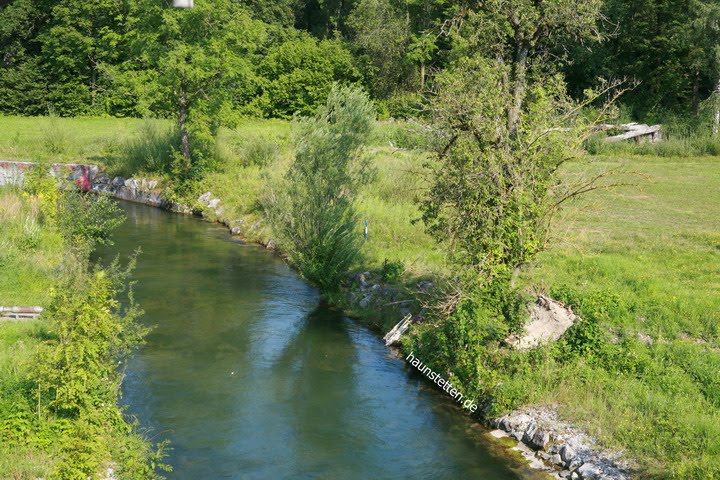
{"x":249,"y":377}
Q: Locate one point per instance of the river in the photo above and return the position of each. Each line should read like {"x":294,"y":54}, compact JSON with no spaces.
{"x":249,"y":377}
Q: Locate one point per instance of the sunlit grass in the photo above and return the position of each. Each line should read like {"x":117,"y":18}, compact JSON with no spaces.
{"x":657,"y":247}
{"x":28,"y":252}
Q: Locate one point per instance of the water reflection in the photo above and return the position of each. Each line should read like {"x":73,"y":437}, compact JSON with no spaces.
{"x":250,"y":378}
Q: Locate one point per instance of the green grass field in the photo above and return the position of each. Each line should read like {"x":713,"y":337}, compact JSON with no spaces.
{"x":653,"y":248}
{"x":656,"y":248}
{"x":28,"y":252}
{"x":28,"y":255}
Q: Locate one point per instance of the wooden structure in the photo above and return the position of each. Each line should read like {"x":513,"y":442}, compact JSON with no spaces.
{"x":19,"y":313}
{"x":393,"y":336}
{"x":634,"y":131}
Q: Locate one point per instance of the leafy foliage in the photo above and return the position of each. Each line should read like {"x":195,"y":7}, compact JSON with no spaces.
{"x":492,"y":192}
{"x":299,"y":74}
{"x":39,"y":183}
{"x":61,"y":377}
{"x":312,"y":211}
{"x":392,"y":270}
{"x":88,"y":217}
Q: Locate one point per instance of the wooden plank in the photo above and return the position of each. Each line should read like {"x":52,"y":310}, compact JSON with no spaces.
{"x":636,"y":131}
{"x":393,"y":336}
{"x":19,"y":313}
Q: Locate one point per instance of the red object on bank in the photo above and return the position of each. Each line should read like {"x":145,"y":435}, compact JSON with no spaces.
{"x":83,"y":182}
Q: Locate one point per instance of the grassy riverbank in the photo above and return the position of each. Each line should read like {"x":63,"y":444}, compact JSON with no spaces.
{"x":58,"y":380}
{"x":641,"y":263}
{"x":644,"y":261}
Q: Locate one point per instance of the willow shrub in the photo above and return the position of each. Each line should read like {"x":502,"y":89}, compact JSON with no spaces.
{"x":312,"y":209}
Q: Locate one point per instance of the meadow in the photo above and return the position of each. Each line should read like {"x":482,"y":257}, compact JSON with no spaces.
{"x":642,"y":261}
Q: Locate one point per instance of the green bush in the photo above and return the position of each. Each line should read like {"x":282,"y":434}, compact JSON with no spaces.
{"x":463,"y":347}
{"x":405,"y":105}
{"x":88,"y":217}
{"x":392,"y":270}
{"x":312,"y":210}
{"x":300,"y":73}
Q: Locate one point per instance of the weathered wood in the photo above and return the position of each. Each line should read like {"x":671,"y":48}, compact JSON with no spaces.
{"x":637,"y":131}
{"x":18,"y":313}
{"x":393,"y":336}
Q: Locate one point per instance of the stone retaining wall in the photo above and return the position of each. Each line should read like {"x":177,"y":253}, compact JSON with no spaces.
{"x":13,"y":173}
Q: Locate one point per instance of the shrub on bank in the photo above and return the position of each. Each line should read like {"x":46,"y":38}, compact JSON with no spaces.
{"x":59,"y":377}
{"x":312,"y":209}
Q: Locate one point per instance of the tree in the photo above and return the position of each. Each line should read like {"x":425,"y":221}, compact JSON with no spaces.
{"x":515,"y":32}
{"x":298,"y":74}
{"x":705,"y":57}
{"x":381,"y":31}
{"x":668,"y":46}
{"x":201,"y":61}
{"x":80,"y":37}
{"x":312,"y":211}
{"x":22,"y":84}
{"x":495,"y":189}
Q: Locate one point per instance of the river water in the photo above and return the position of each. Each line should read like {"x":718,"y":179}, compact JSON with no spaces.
{"x":249,"y":377}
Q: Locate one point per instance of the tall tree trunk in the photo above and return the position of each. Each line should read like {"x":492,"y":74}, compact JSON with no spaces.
{"x":422,"y":75}
{"x":182,"y":124}
{"x":716,"y":102}
{"x":518,"y":85}
{"x":93,"y":83}
{"x":696,"y":95}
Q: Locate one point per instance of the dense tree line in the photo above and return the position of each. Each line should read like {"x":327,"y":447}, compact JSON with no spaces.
{"x":274,"y":58}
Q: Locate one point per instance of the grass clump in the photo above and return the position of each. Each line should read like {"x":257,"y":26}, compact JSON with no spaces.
{"x":150,"y":151}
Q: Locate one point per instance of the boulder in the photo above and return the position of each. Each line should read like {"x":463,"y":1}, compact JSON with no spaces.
{"x":205,"y":197}
{"x":589,"y":471}
{"x":152,"y":184}
{"x":118,"y":182}
{"x":425,"y":285}
{"x":549,"y":319}
{"x":567,"y":454}
{"x":271,"y":245}
{"x":235,"y":231}
{"x":512,"y":423}
{"x":212,"y":204}
{"x":365,"y":302}
{"x":536,"y":437}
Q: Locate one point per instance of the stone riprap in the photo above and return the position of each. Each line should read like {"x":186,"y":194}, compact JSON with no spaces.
{"x":565,"y":451}
{"x":138,"y":190}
